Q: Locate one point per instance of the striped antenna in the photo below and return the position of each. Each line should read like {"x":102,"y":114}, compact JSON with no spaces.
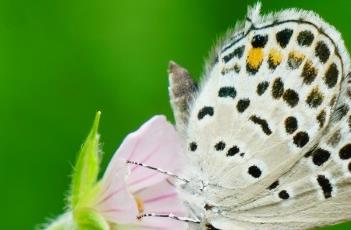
{"x":157,"y":169}
{"x":172,"y":216}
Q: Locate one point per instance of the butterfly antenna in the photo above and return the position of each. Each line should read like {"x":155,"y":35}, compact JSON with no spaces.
{"x":171,"y":216}
{"x":157,"y":169}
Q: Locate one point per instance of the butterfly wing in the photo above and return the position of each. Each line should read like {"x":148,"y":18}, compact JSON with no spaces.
{"x":276,"y":92}
{"x":315,"y":192}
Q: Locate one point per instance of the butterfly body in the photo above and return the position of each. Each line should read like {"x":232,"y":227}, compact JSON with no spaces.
{"x":268,"y":129}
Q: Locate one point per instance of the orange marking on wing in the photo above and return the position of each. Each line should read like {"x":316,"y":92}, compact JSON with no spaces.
{"x":255,"y":57}
{"x":275,"y":57}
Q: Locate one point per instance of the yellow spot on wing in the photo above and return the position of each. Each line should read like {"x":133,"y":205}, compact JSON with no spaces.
{"x":254,"y":58}
{"x":295,"y":59}
{"x":297,"y":55}
{"x":275,"y":57}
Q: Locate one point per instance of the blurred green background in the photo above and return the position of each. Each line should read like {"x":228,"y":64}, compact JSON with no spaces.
{"x":62,"y":60}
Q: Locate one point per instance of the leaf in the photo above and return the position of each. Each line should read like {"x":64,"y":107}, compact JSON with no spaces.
{"x":87,"y":166}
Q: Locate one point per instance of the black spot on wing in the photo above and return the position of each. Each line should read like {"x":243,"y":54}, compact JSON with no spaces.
{"x":326,"y":186}
{"x":220,"y":146}
{"x":283,"y":37}
{"x":205,"y":111}
{"x":309,"y":72}
{"x":284,"y":195}
{"x":262,"y":87}
{"x":208,"y":207}
{"x":345,"y":152}
{"x":237,"y":68}
{"x":227,"y":92}
{"x":335,"y":138}
{"x":228,"y":57}
{"x":259,"y":41}
{"x":273,"y":185}
{"x":305,"y":38}
{"x":301,"y":139}
{"x":263,"y":123}
{"x":321,"y":117}
{"x":320,"y":156}
{"x":243,"y":104}
{"x":254,"y":171}
{"x":322,"y":51}
{"x":277,"y":88}
{"x":290,"y":125}
{"x":315,"y":98}
{"x":331,"y":76}
{"x":193,"y":146}
{"x":238,"y":52}
{"x":232,"y":151}
{"x":291,"y":97}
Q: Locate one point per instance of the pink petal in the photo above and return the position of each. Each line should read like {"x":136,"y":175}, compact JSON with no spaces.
{"x":115,"y":202}
{"x":155,"y":143}
{"x":161,"y":198}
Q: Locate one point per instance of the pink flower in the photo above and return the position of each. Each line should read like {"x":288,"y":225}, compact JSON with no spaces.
{"x":129,"y":191}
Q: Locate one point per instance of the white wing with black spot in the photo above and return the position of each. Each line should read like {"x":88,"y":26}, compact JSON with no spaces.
{"x":277,"y":90}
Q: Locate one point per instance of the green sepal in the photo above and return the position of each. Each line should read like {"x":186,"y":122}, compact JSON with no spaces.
{"x":87,"y":167}
{"x":89,"y":219}
{"x":63,"y":222}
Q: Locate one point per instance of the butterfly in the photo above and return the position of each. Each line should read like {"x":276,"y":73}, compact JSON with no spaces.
{"x":268,"y":130}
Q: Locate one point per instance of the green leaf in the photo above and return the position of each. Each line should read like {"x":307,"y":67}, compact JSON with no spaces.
{"x":87,"y":166}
